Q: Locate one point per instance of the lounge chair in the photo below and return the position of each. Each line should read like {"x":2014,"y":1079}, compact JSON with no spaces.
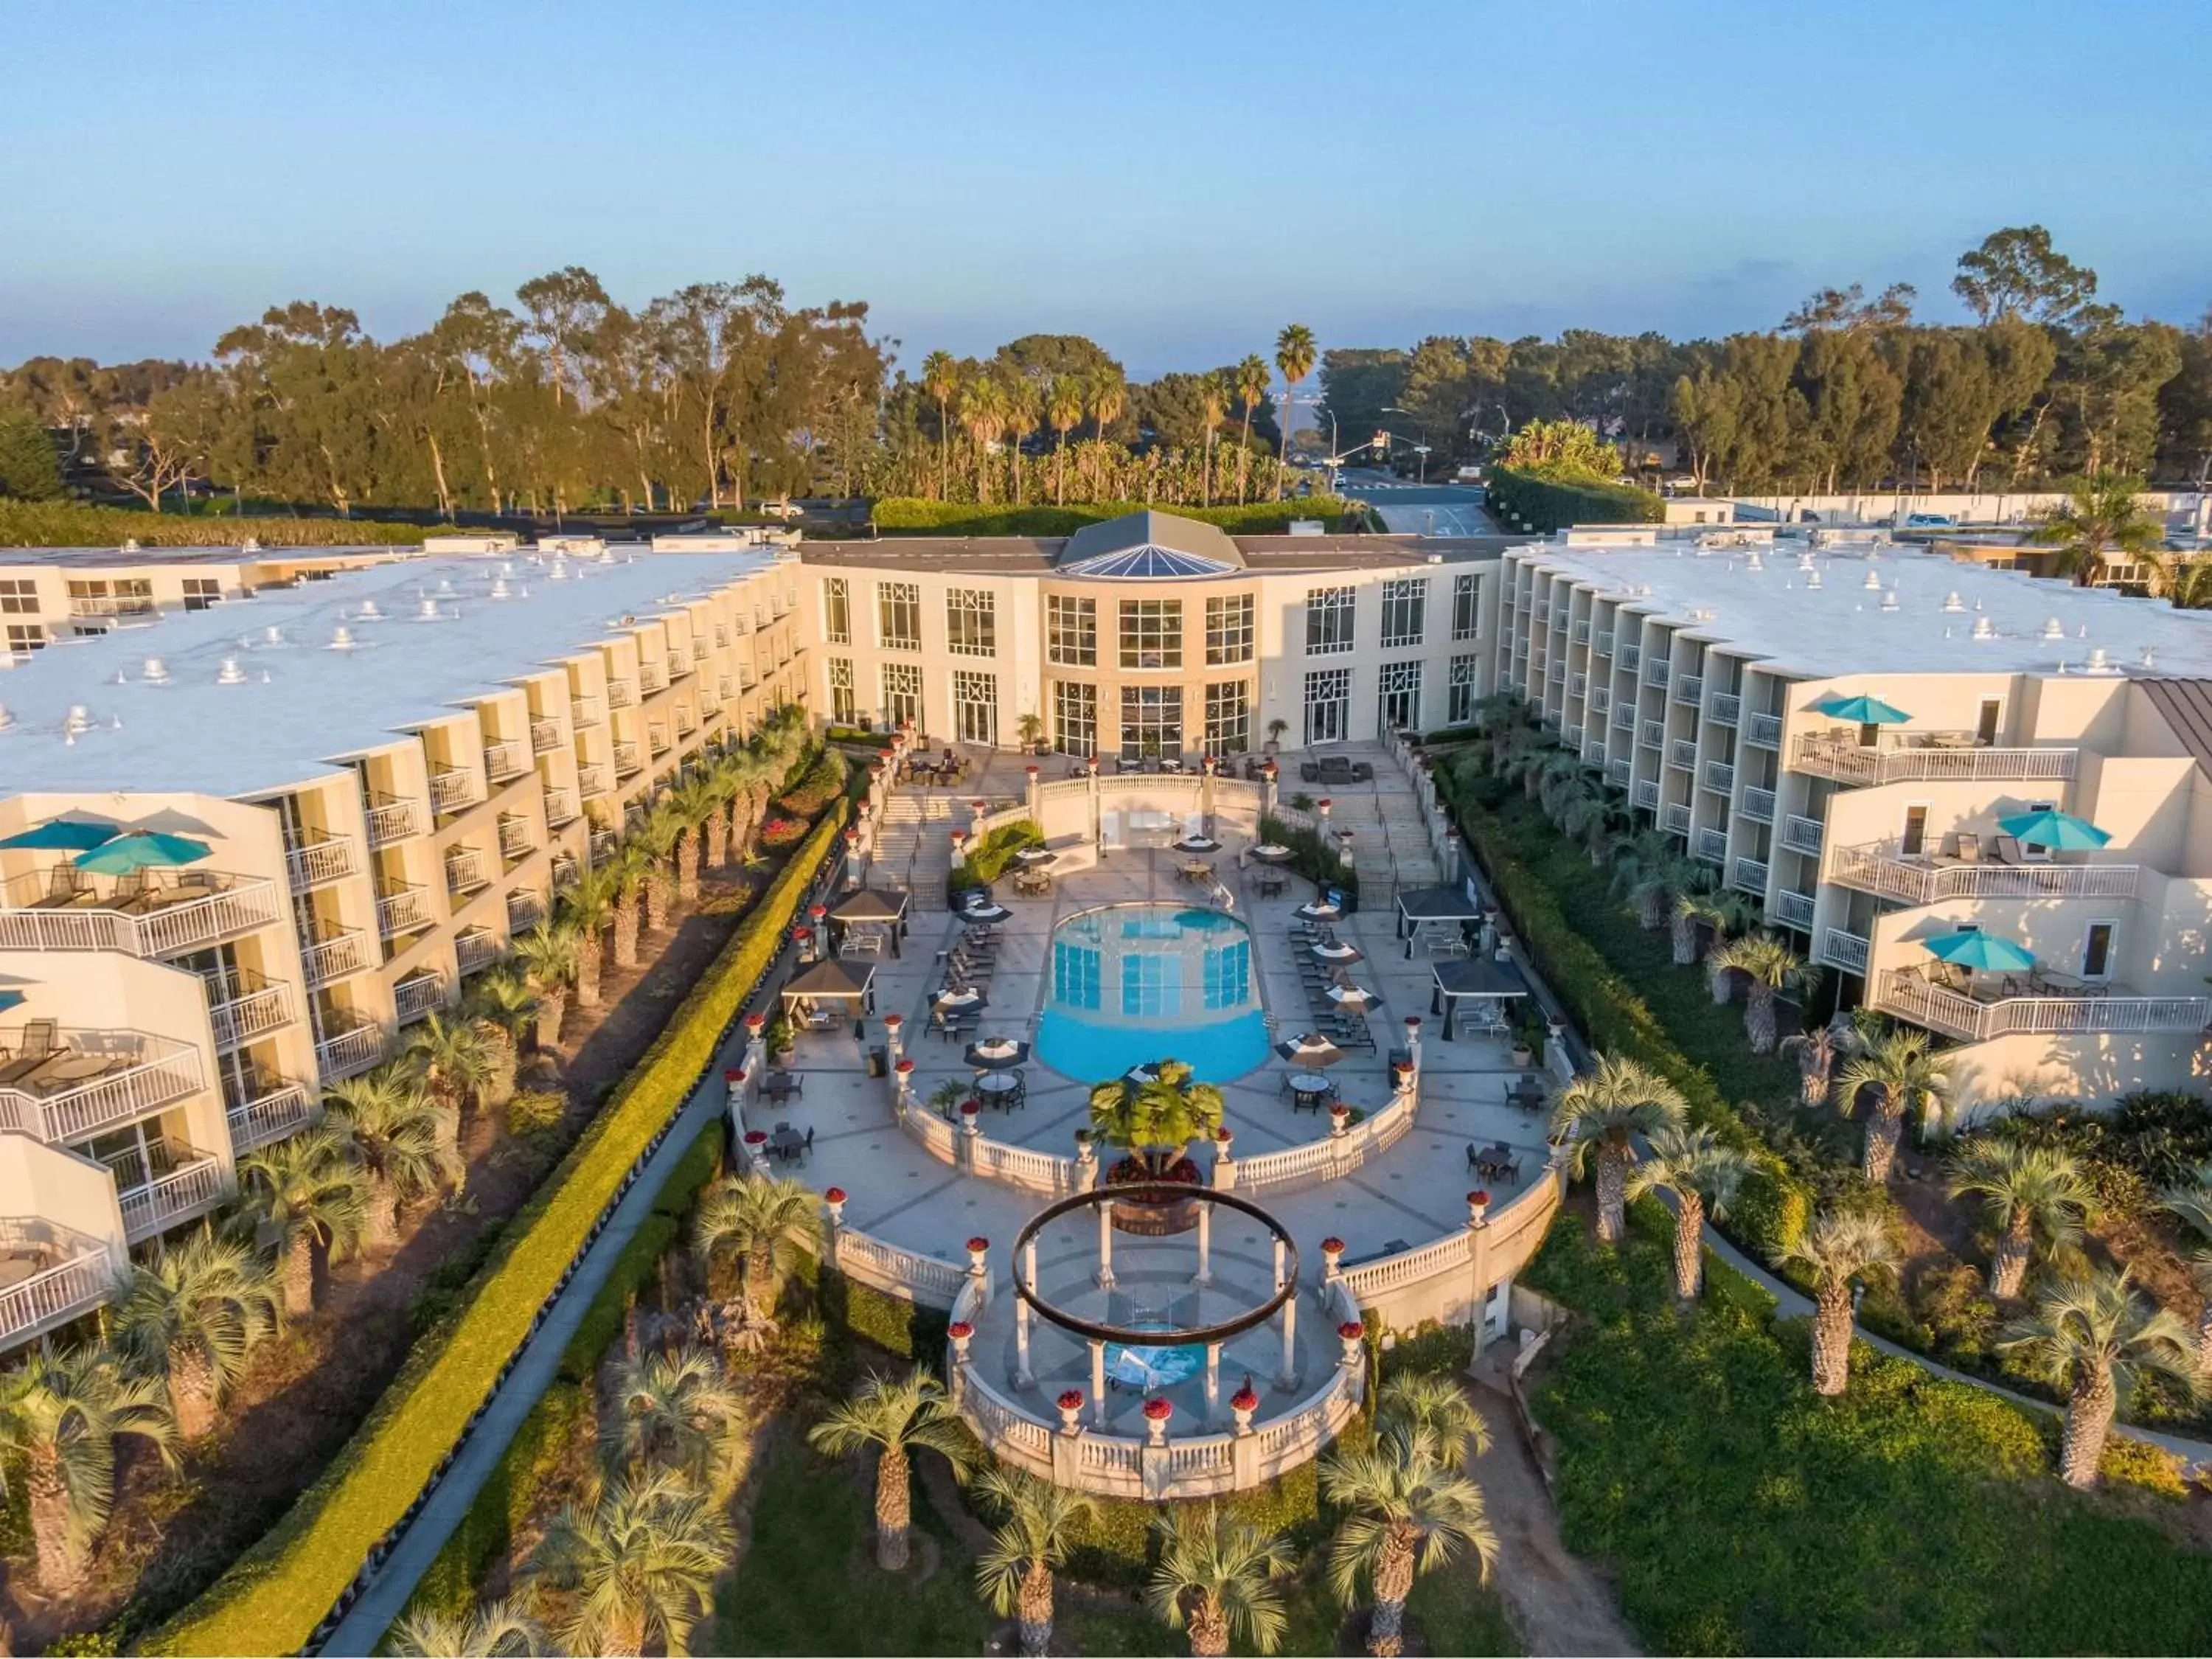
{"x":2008,"y":850}
{"x":1970,"y":848}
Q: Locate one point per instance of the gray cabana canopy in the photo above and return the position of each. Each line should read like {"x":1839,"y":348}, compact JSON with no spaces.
{"x":870,"y":904}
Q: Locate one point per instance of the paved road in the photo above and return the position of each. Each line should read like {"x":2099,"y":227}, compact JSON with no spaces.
{"x":1411,"y":509}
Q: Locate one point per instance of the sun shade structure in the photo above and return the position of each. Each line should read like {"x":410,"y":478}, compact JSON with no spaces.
{"x":142,"y":849}
{"x":985,"y":916}
{"x":870,"y":904}
{"x":833,"y":981}
{"x":997,"y":1054}
{"x":2061,"y":831}
{"x":1198,"y":844}
{"x":1352,"y":996}
{"x":1973,"y":948}
{"x":1271,"y":852}
{"x":1861,"y":710}
{"x":10,"y":999}
{"x":1311,"y":1050}
{"x":1339,"y":950}
{"x":63,"y":835}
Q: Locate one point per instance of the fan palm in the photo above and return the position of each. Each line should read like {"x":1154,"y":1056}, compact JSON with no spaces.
{"x":2092,"y":1336}
{"x":1908,"y":1077}
{"x":1213,"y":398}
{"x":660,"y":838}
{"x":2038,"y":1196}
{"x":1014,"y":1575}
{"x":1596,"y":1114}
{"x":550,"y":957}
{"x":1647,"y":874}
{"x":297,"y":1195}
{"x":1817,"y":1051}
{"x":59,"y":1415}
{"x":1248,"y":380}
{"x":1294,"y":356}
{"x":1156,"y":1121}
{"x":1592,"y":815}
{"x":677,"y":1411}
{"x":898,"y":1416}
{"x":690,"y":804}
{"x":2183,"y":580}
{"x":2191,"y":1204}
{"x":1025,"y":407}
{"x":1704,"y":1176}
{"x":1836,"y":1248}
{"x":984,"y":413}
{"x":495,"y":1630}
{"x":189,"y":1317}
{"x":504,"y":1007}
{"x":396,"y":1128}
{"x":588,"y":902}
{"x":1063,"y":410}
{"x":765,"y":1221}
{"x":1437,"y":1406}
{"x":1772,"y":968}
{"x":940,"y":378}
{"x":1217,"y":1575}
{"x":2101,"y":515}
{"x":641,"y":1563}
{"x":1408,"y":1511}
{"x":631,"y":870}
{"x":455,"y":1059}
{"x":1725,"y":915}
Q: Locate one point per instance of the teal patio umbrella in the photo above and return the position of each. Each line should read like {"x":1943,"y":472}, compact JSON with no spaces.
{"x":10,"y":999}
{"x":63,"y":835}
{"x":1862,"y":710}
{"x":1971,"y":947}
{"x":142,"y":849}
{"x":2049,"y":827}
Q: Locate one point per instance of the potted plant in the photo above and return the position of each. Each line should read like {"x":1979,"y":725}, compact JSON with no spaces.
{"x":1274,"y":744}
{"x":781,"y":1044}
{"x":1528,"y":1042}
{"x":1031,"y":726}
{"x":1153,"y":1122}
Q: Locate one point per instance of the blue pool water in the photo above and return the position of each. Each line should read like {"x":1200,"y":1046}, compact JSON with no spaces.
{"x":1150,"y":1368}
{"x":1137,"y":982}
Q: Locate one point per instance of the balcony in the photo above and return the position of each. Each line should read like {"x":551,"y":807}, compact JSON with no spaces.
{"x":1655,"y":669}
{"x":416,"y":996}
{"x":652,"y":678}
{"x":710,"y":696}
{"x":1629,"y":656}
{"x":78,"y":1277}
{"x":351,"y":1049}
{"x":95,"y":1079}
{"x":1580,"y":633}
{"x":1765,"y":731}
{"x":1624,"y":717}
{"x":1932,"y":757}
{"x":1603,"y":643}
{"x":1749,"y":876}
{"x":64,"y":910}
{"x":678,"y":667}
{"x":1577,"y":685}
{"x":286,"y":1109}
{"x":698,"y":649}
{"x":1720,"y":777}
{"x":334,"y":956}
{"x":112,"y":605}
{"x":656,"y":738}
{"x":564,"y":869}
{"x":193,"y":1184}
{"x":544,"y":736}
{"x":1712,"y":846}
{"x":393,"y":820}
{"x":686,"y":721}
{"x":1800,"y":834}
{"x":505,"y":760}
{"x":455,"y":791}
{"x":310,"y":865}
{"x":621,"y":695}
{"x":1675,"y":818}
{"x":516,"y":839}
{"x":524,"y":912}
{"x":628,"y":761}
{"x":257,"y":1009}
{"x":1559,"y":673}
{"x":405,"y":909}
{"x":1647,"y":794}
{"x":2049,"y":1009}
{"x":1884,"y":869}
{"x":464,"y":871}
{"x":1616,"y":774}
{"x":560,"y":807}
{"x":1690,"y":689}
{"x":603,"y":842}
{"x":1600,"y":701}
{"x":1683,"y":752}
{"x":1846,"y":951}
{"x":1727,"y":708}
{"x":1793,"y":910}
{"x":477,"y":949}
{"x":1652,"y":734}
{"x":592,"y":779}
{"x":1758,"y":803}
{"x":583,"y":712}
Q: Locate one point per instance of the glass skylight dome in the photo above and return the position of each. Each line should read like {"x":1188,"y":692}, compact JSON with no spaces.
{"x":1149,"y":547}
{"x":1148,"y":561}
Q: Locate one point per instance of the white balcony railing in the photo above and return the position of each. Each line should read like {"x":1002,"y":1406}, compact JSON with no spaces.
{"x":1675,"y":818}
{"x":254,"y":1013}
{"x":1690,"y":689}
{"x":1629,"y":656}
{"x":1652,"y":734}
{"x":505,"y":760}
{"x":1720,"y":777}
{"x":1749,"y":876}
{"x":1970,"y":1020}
{"x":53,"y":1296}
{"x":393,"y":820}
{"x":652,"y":678}
{"x":349,"y":1051}
{"x":416,"y":997}
{"x":334,"y":956}
{"x":1712,"y":846}
{"x":1882,"y":868}
{"x":524,"y":912}
{"x":621,"y":695}
{"x":1647,"y":794}
{"x":1758,"y":803}
{"x":201,"y":911}
{"x":627,"y":759}
{"x":1616,"y":774}
{"x":455,"y":791}
{"x":151,"y":1074}
{"x":1800,"y":834}
{"x":1602,"y":644}
{"x":402,"y":910}
{"x":1846,"y":951}
{"x":560,"y":807}
{"x":656,"y":738}
{"x":1764,"y":732}
{"x":464,"y":870}
{"x":1727,"y":708}
{"x":1792,"y":910}
{"x":544,"y":736}
{"x":177,"y":1196}
{"x":1959,"y":760}
{"x":330,"y":859}
{"x":283,"y":1110}
{"x":1624,"y":716}
{"x":112,"y":605}
{"x":583,"y":712}
{"x":594,"y":779}
{"x":1683,"y":752}
{"x":515,"y":839}
{"x":1655,"y":669}
{"x":1600,"y":701}
{"x":475,"y":951}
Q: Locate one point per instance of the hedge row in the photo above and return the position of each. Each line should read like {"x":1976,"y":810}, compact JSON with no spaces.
{"x":272,"y":1599}
{"x":912,"y":513}
{"x":1312,"y":856}
{"x":1549,"y":504}
{"x":988,"y":858}
{"x":65,"y":523}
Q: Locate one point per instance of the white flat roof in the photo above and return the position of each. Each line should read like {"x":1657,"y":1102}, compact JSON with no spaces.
{"x":1765,"y":603}
{"x":302,"y":701}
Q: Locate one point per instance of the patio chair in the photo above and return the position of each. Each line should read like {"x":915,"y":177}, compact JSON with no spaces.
{"x":2008,"y":850}
{"x":65,"y":883}
{"x":39,"y":1042}
{"x":1970,"y":848}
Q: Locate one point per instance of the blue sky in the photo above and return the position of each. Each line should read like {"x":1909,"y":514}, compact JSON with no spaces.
{"x":1175,"y":180}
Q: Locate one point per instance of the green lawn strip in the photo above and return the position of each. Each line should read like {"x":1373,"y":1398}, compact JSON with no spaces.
{"x":1741,"y":1513}
{"x":272,"y":1600}
{"x":66,"y":524}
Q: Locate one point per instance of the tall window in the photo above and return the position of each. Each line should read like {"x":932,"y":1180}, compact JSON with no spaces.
{"x":19,"y":596}
{"x":1329,"y":705}
{"x":1329,"y":621}
{"x":1228,"y":630}
{"x":971,"y":622}
{"x":842,"y":706}
{"x":903,"y":694}
{"x":1152,"y":722}
{"x":836,"y":611}
{"x":1463,"y":606}
{"x":1074,"y":717}
{"x":202,"y":592}
{"x":898,"y":616}
{"x":1401,"y":696}
{"x":1072,"y":631}
{"x":1152,"y":632}
{"x":1405,"y":606}
{"x":1228,"y":718}
{"x":1459,"y":701}
{"x":975,"y":706}
{"x":24,"y":638}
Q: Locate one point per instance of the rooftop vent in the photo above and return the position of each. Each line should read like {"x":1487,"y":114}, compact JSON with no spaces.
{"x":368,"y":612}
{"x":2149,"y":658}
{"x":429,"y":611}
{"x":272,"y":634}
{"x":341,"y":639}
{"x":2054,"y":629}
{"x":1953,"y":602}
{"x":500,"y":589}
{"x":129,"y":544}
{"x":1873,"y":582}
{"x":1889,"y":600}
{"x":230,"y":673}
{"x":156,"y":671}
{"x":250,"y":544}
{"x":80,"y":719}
{"x":1984,"y":629}
{"x":1812,"y":579}
{"x":2099,"y":663}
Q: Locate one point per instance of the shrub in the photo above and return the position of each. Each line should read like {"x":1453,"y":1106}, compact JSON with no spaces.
{"x":603,"y":1321}
{"x":1549,"y":504}
{"x":64,"y":524}
{"x":913,"y":515}
{"x":535,"y":1111}
{"x":1311,"y":855}
{"x":2127,"y":1460}
{"x":823,"y":782}
{"x":893,"y":1323}
{"x":778,"y":833}
{"x":987,"y":859}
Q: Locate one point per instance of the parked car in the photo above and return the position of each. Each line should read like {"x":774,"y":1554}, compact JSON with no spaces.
{"x":779,"y":509}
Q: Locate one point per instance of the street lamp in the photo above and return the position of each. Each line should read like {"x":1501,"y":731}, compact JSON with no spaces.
{"x":1421,"y":450}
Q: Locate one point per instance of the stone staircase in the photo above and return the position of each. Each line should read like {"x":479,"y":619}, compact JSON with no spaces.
{"x":1389,"y":833}
{"x":914,"y":844}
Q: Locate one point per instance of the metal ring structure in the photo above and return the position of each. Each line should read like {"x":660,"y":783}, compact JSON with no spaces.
{"x":1155,"y":1191}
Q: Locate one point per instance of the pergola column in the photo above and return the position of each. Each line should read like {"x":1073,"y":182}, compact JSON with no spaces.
{"x":1281,"y":1261}
{"x":1097,"y":1384}
{"x":1106,"y":1246}
{"x":1213,"y":1380}
{"x":1205,"y":1274}
{"x":1023,"y":1374}
{"x":1289,"y":1379}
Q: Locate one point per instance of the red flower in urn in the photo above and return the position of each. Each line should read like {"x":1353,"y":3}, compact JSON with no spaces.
{"x":960,"y":1330}
{"x":1244,"y":1401}
{"x":1158,"y":1409}
{"x":1072,"y":1400}
{"x":1351,"y":1330}
{"x":835,"y":1195}
{"x":1479,"y":1195}
{"x":978,"y":1245}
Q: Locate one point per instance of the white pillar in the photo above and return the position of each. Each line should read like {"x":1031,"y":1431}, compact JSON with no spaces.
{"x":1023,"y":1376}
{"x":1205,"y":1274}
{"x":1105,"y":1246}
{"x":1213,"y":1381}
{"x":1280,"y":1262}
{"x":1290,"y":1377}
{"x":1097,"y":1384}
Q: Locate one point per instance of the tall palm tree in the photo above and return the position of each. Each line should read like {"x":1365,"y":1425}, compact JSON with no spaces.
{"x":1435,"y":1405}
{"x":659,"y":839}
{"x":2038,"y":1196}
{"x":1294,"y":356}
{"x":1063,"y":410}
{"x":550,"y":958}
{"x":588,"y":903}
{"x":1838,"y":1248}
{"x":59,"y":1415}
{"x":396,"y":1128}
{"x":2182,"y":580}
{"x":692,"y":803}
{"x":1014,"y":1575}
{"x":1592,"y":815}
{"x":1817,"y":1051}
{"x":2092,"y":1336}
{"x":1155,"y":1121}
{"x":940,"y":378}
{"x":1704,"y":1176}
{"x":765,"y":1221}
{"x":495,"y":1630}
{"x":1597,"y":1115}
{"x":189,"y":1318}
{"x":641,"y":1561}
{"x":1909,"y":1077}
{"x":1649,"y":874}
{"x":504,"y":1006}
{"x":2191,"y":1204}
{"x":627,"y":866}
{"x":298,"y":1194}
{"x":2102,"y":514}
{"x":1724,"y":914}
{"x":453,"y":1057}
{"x":984,"y":413}
{"x":898,"y":1416}
{"x":1772,"y":968}
{"x":1408,"y":1511}
{"x":1218,"y":1577}
{"x":1024,"y":409}
{"x":1248,"y":380}
{"x":677,"y":1411}
{"x":1213,"y":396}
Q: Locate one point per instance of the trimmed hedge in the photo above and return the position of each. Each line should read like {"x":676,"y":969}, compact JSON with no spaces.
{"x":1312,"y":857}
{"x":914,"y":515}
{"x":65,"y":523}
{"x":1549,"y":504}
{"x":273,"y":1597}
{"x":987,"y":859}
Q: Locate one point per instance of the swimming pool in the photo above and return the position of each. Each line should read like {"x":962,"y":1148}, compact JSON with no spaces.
{"x":1137,"y":982}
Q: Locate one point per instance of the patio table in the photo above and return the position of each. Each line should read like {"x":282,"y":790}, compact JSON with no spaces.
{"x":998,"y":1088}
{"x":1308,"y":1091}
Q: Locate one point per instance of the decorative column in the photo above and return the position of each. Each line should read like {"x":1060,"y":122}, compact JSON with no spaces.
{"x":1036,"y":798}
{"x":1091,"y":777}
{"x":833,"y":1208}
{"x":961,"y":1333}
{"x":756,"y":1060}
{"x":1282,"y":1262}
{"x":1243,"y":1403}
{"x":1332,"y":1255}
{"x":1224,"y":1166}
{"x":1213,"y":1381}
{"x":979,"y":1267}
{"x":1556,"y":1058}
{"x":1023,"y":1376}
{"x":971,"y":1132}
{"x":1340,"y":1119}
{"x":1478,"y":1255}
{"x":757,"y":1152}
{"x":1071,"y":1412}
{"x":852,"y":858}
{"x":1321,"y":814}
{"x":1157,"y":1410}
{"x":1403,"y":1079}
{"x":1105,"y":1276}
{"x":803,"y":936}
{"x":959,"y":847}
{"x":1353,"y":1334}
{"x":1268,"y":774}
{"x":1086,"y":1162}
{"x":1205,"y":1273}
{"x":903,"y":1089}
{"x":895,"y":1037}
{"x":1344,"y":848}
{"x":1413,"y":1043}
{"x":1289,"y":1378}
{"x":1206,"y":795}
{"x":1097,"y":1384}
{"x":1455,"y":864}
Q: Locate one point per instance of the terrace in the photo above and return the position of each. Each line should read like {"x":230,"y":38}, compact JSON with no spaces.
{"x":1928,"y":756}
{"x":1885,"y":869}
{"x":144,"y":914}
{"x":60,"y":1084}
{"x":1975,"y":1008}
{"x":49,"y":1275}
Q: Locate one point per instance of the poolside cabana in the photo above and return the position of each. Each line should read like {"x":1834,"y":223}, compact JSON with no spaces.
{"x":820,"y":995}
{"x":1427,"y":911}
{"x":871,"y":919}
{"x":1488,"y":983}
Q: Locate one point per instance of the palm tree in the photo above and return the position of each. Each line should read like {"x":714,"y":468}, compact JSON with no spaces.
{"x":2092,"y":1336}
{"x":1817,"y":1051}
{"x":2036,"y":1195}
{"x":1907,"y":1076}
{"x":659,"y":839}
{"x":1772,"y":968}
{"x":1704,"y":1176}
{"x":1601,"y":1110}
{"x":1294,"y":356}
{"x":1155,"y":1121}
{"x":1647,"y":873}
{"x":1014,"y":1576}
{"x":2101,"y":513}
{"x":503,"y":1006}
{"x":1838,"y":1248}
{"x":1063,"y":408}
{"x":297,"y":1195}
{"x":1218,"y":1575}
{"x":455,"y":1059}
{"x":767,"y":1223}
{"x":1214,"y":395}
{"x":2192,"y":1203}
{"x":627,"y":864}
{"x":940,"y":378}
{"x":588,"y":903}
{"x":641,"y":1563}
{"x":983,"y":412}
{"x":189,"y":1318}
{"x":1435,"y":1405}
{"x":550,"y":957}
{"x":1409,"y":1511}
{"x":1248,"y":380}
{"x":495,"y":1630}
{"x":59,"y":1416}
{"x":690,"y":803}
{"x":898,"y":1416}
{"x":1024,"y":409}
{"x":677,"y":1411}
{"x":2182,"y":580}
{"x":396,"y":1128}
{"x":1591,"y":816}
